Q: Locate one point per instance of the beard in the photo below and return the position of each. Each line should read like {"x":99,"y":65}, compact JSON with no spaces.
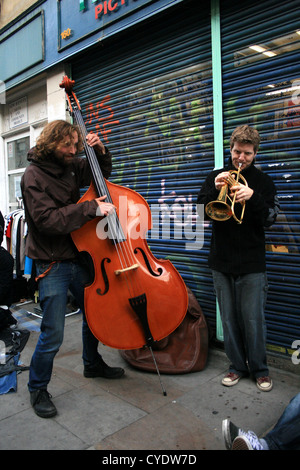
{"x":63,"y":160}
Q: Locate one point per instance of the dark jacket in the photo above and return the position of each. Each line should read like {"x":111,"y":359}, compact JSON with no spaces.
{"x":50,"y":194}
{"x":240,"y":248}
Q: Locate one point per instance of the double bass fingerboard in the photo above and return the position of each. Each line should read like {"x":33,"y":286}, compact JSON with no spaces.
{"x":114,"y":229}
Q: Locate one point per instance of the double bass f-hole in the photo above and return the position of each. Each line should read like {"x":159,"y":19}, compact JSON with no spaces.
{"x":105,"y":277}
{"x":160,"y":271}
{"x":134,"y":299}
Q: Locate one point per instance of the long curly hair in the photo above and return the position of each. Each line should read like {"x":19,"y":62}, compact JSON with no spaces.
{"x":52,"y":134}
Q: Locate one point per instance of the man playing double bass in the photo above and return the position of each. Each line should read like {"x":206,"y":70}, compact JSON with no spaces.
{"x":51,"y":189}
{"x":237,"y":258}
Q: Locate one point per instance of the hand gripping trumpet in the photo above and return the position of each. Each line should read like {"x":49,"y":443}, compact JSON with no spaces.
{"x":219,"y":209}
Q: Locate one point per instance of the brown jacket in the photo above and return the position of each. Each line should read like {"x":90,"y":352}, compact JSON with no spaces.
{"x":50,"y":194}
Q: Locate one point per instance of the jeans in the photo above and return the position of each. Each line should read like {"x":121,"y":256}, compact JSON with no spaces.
{"x":53,"y":291}
{"x":242,"y":302}
{"x":286,"y":433}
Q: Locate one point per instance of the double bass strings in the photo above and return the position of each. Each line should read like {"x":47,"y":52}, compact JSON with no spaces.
{"x":115,"y":230}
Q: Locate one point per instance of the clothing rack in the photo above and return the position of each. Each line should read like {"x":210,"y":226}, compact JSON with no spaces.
{"x":15,"y":231}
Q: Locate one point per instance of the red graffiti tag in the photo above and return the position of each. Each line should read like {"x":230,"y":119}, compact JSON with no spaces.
{"x":103,"y":124}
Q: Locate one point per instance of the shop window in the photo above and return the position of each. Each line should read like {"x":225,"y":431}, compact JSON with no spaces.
{"x":16,"y":153}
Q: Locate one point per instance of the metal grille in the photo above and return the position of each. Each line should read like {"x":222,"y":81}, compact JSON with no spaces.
{"x":261,"y":87}
{"x":149,"y":95}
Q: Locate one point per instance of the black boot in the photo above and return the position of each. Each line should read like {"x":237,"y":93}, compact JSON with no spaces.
{"x":41,"y":403}
{"x":100,"y":369}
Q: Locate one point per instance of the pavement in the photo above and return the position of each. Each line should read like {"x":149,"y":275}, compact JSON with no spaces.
{"x":132,"y":413}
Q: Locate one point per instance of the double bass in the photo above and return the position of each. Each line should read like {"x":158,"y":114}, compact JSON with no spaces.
{"x":134,"y":299}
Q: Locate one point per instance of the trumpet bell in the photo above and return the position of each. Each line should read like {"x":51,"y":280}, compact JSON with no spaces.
{"x":218,"y":210}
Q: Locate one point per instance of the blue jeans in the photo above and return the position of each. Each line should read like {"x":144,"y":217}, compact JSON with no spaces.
{"x":286,"y":433}
{"x":242,"y":302}
{"x":53,"y":291}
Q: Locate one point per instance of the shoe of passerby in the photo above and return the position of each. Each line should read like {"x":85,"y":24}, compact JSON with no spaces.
{"x":229,"y":432}
{"x":42,"y":404}
{"x":264,"y":384}
{"x":101,"y":369}
{"x":230,"y":379}
{"x":247,"y":441}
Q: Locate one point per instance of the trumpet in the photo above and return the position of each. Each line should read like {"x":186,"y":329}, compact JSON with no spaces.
{"x":219,"y":209}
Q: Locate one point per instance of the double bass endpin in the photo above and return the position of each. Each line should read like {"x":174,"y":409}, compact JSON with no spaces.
{"x":139,"y":305}
{"x":157,"y":370}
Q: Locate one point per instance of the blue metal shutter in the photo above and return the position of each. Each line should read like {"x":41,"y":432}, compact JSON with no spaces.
{"x":148,"y":92}
{"x":261,"y":87}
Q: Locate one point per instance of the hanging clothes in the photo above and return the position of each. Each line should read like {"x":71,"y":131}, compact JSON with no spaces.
{"x":15,"y":233}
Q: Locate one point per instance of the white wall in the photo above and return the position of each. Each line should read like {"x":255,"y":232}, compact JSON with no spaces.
{"x":45,"y":102}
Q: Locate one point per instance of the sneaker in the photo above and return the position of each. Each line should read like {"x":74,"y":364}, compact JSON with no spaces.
{"x":264,"y":384}
{"x":229,"y":431}
{"x":101,"y":369}
{"x":41,"y":403}
{"x":247,"y":441}
{"x":230,"y":379}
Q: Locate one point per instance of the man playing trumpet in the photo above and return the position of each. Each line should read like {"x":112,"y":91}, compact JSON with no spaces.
{"x":237,"y":255}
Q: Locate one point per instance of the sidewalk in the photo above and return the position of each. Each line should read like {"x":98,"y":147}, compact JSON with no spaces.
{"x":132,"y":413}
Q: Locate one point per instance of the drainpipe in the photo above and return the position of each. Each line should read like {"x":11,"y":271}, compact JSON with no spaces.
{"x":217,"y":110}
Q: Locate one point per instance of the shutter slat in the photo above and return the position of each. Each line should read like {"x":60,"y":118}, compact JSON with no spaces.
{"x":258,"y":90}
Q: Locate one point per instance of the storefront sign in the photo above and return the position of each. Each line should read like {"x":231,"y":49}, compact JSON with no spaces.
{"x":23,"y":47}
{"x":74,"y":24}
{"x":80,"y":20}
{"x":104,"y":6}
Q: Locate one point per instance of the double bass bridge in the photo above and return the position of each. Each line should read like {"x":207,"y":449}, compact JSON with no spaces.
{"x":124,"y":270}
